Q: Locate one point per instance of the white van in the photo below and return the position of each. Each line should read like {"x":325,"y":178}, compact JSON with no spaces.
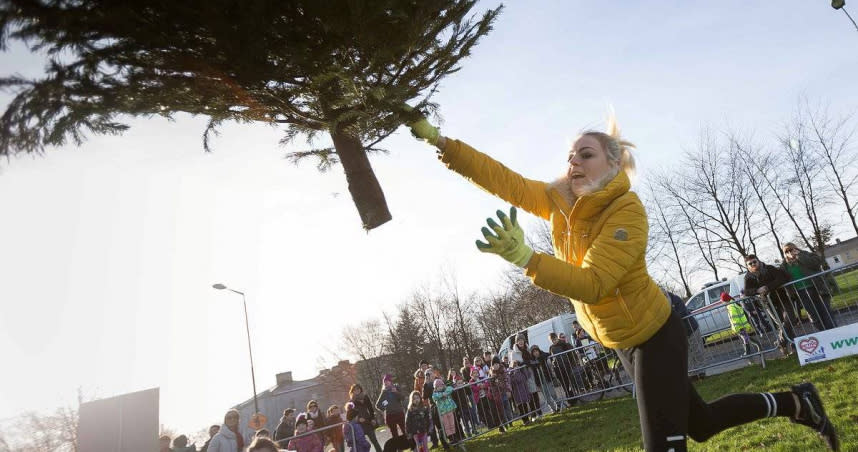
{"x":538,"y":334}
{"x":707,"y":307}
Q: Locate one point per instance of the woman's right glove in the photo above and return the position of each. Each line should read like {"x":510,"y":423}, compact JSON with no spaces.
{"x":421,"y":129}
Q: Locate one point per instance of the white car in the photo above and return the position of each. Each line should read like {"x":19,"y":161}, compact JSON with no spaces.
{"x":708,"y":309}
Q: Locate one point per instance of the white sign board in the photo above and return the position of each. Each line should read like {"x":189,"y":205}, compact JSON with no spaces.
{"x":826,"y":345}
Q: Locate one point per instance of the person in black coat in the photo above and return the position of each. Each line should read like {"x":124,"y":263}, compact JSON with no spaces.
{"x":765,"y":281}
{"x":365,"y":413}
{"x":562,"y":362}
{"x":428,"y":389}
{"x":286,"y":428}
{"x":544,"y":378}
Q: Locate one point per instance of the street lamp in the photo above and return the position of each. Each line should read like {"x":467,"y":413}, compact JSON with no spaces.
{"x":839,"y":4}
{"x":247,"y":325}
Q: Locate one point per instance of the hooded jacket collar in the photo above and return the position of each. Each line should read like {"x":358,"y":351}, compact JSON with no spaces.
{"x":590,"y":204}
{"x":225,"y":431}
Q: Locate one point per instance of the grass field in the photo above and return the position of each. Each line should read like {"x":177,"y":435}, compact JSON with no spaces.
{"x":612,"y":425}
{"x":848,"y":294}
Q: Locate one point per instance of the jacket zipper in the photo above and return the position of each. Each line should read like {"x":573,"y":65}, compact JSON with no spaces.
{"x":568,"y":219}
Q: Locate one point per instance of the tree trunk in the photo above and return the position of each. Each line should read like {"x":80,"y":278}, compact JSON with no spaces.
{"x":363,"y":185}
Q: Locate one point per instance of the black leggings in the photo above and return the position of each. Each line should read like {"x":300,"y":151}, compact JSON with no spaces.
{"x":668,"y":405}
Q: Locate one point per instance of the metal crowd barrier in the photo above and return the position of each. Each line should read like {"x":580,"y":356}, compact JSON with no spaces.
{"x":581,"y":374}
{"x":324,"y":433}
{"x":817,"y":302}
{"x":490,"y":403}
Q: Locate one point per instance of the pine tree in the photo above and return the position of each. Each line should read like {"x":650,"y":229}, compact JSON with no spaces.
{"x":341,"y":68}
{"x":406,"y":344}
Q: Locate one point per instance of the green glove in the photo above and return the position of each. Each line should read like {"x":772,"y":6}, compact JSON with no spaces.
{"x":509,"y":241}
{"x":422,"y":129}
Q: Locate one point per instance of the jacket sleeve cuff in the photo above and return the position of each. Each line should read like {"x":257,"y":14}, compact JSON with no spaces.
{"x":530,"y":268}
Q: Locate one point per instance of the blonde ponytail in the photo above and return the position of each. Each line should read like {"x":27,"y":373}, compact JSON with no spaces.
{"x":618,"y":150}
{"x":621,"y":150}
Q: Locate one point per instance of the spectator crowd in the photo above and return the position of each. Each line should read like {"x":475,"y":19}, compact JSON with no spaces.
{"x":439,"y":409}
{"x":436,"y":409}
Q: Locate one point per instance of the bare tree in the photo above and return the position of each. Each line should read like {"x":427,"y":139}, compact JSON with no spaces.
{"x":757,"y":167}
{"x":697,"y":236}
{"x":4,"y":445}
{"x":714,"y":190}
{"x":833,"y":140}
{"x":367,"y":341}
{"x":804,"y":180}
{"x":461,"y":329}
{"x":539,"y":238}
{"x":667,"y":231}
{"x":430,"y":312}
{"x":771,"y":170}
{"x":497,"y":319}
{"x":39,"y":432}
{"x":531,"y":303}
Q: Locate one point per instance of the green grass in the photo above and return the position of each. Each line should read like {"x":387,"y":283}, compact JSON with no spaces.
{"x":613,"y":424}
{"x":848,"y":284}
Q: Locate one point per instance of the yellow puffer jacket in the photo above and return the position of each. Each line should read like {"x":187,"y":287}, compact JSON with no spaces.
{"x":603,"y":236}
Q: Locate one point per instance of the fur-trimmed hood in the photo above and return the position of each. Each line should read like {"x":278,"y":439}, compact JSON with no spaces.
{"x":564,"y":187}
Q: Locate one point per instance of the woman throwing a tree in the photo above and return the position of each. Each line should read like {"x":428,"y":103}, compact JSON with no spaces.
{"x":599,"y":235}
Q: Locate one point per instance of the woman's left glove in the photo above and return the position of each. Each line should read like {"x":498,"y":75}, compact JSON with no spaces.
{"x":509,"y":241}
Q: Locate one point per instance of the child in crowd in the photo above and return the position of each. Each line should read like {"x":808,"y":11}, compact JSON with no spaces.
{"x":353,"y":431}
{"x":315,"y":414}
{"x":306,"y":443}
{"x":417,"y":422}
{"x":420,"y":375}
{"x":501,"y":389}
{"x":479,"y":371}
{"x":481,"y":389}
{"x":446,"y":407}
{"x":520,"y":392}
{"x":429,"y":377}
{"x":740,"y":324}
{"x":487,"y":358}
{"x":334,"y":435}
{"x":391,"y":401}
{"x":464,"y":408}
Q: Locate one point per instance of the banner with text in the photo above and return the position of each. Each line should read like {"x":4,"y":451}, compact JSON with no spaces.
{"x":828,"y":344}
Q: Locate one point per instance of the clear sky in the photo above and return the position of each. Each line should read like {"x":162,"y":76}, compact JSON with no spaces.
{"x":109,"y":250}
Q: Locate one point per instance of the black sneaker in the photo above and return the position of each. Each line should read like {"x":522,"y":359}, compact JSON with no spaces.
{"x":812,"y":414}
